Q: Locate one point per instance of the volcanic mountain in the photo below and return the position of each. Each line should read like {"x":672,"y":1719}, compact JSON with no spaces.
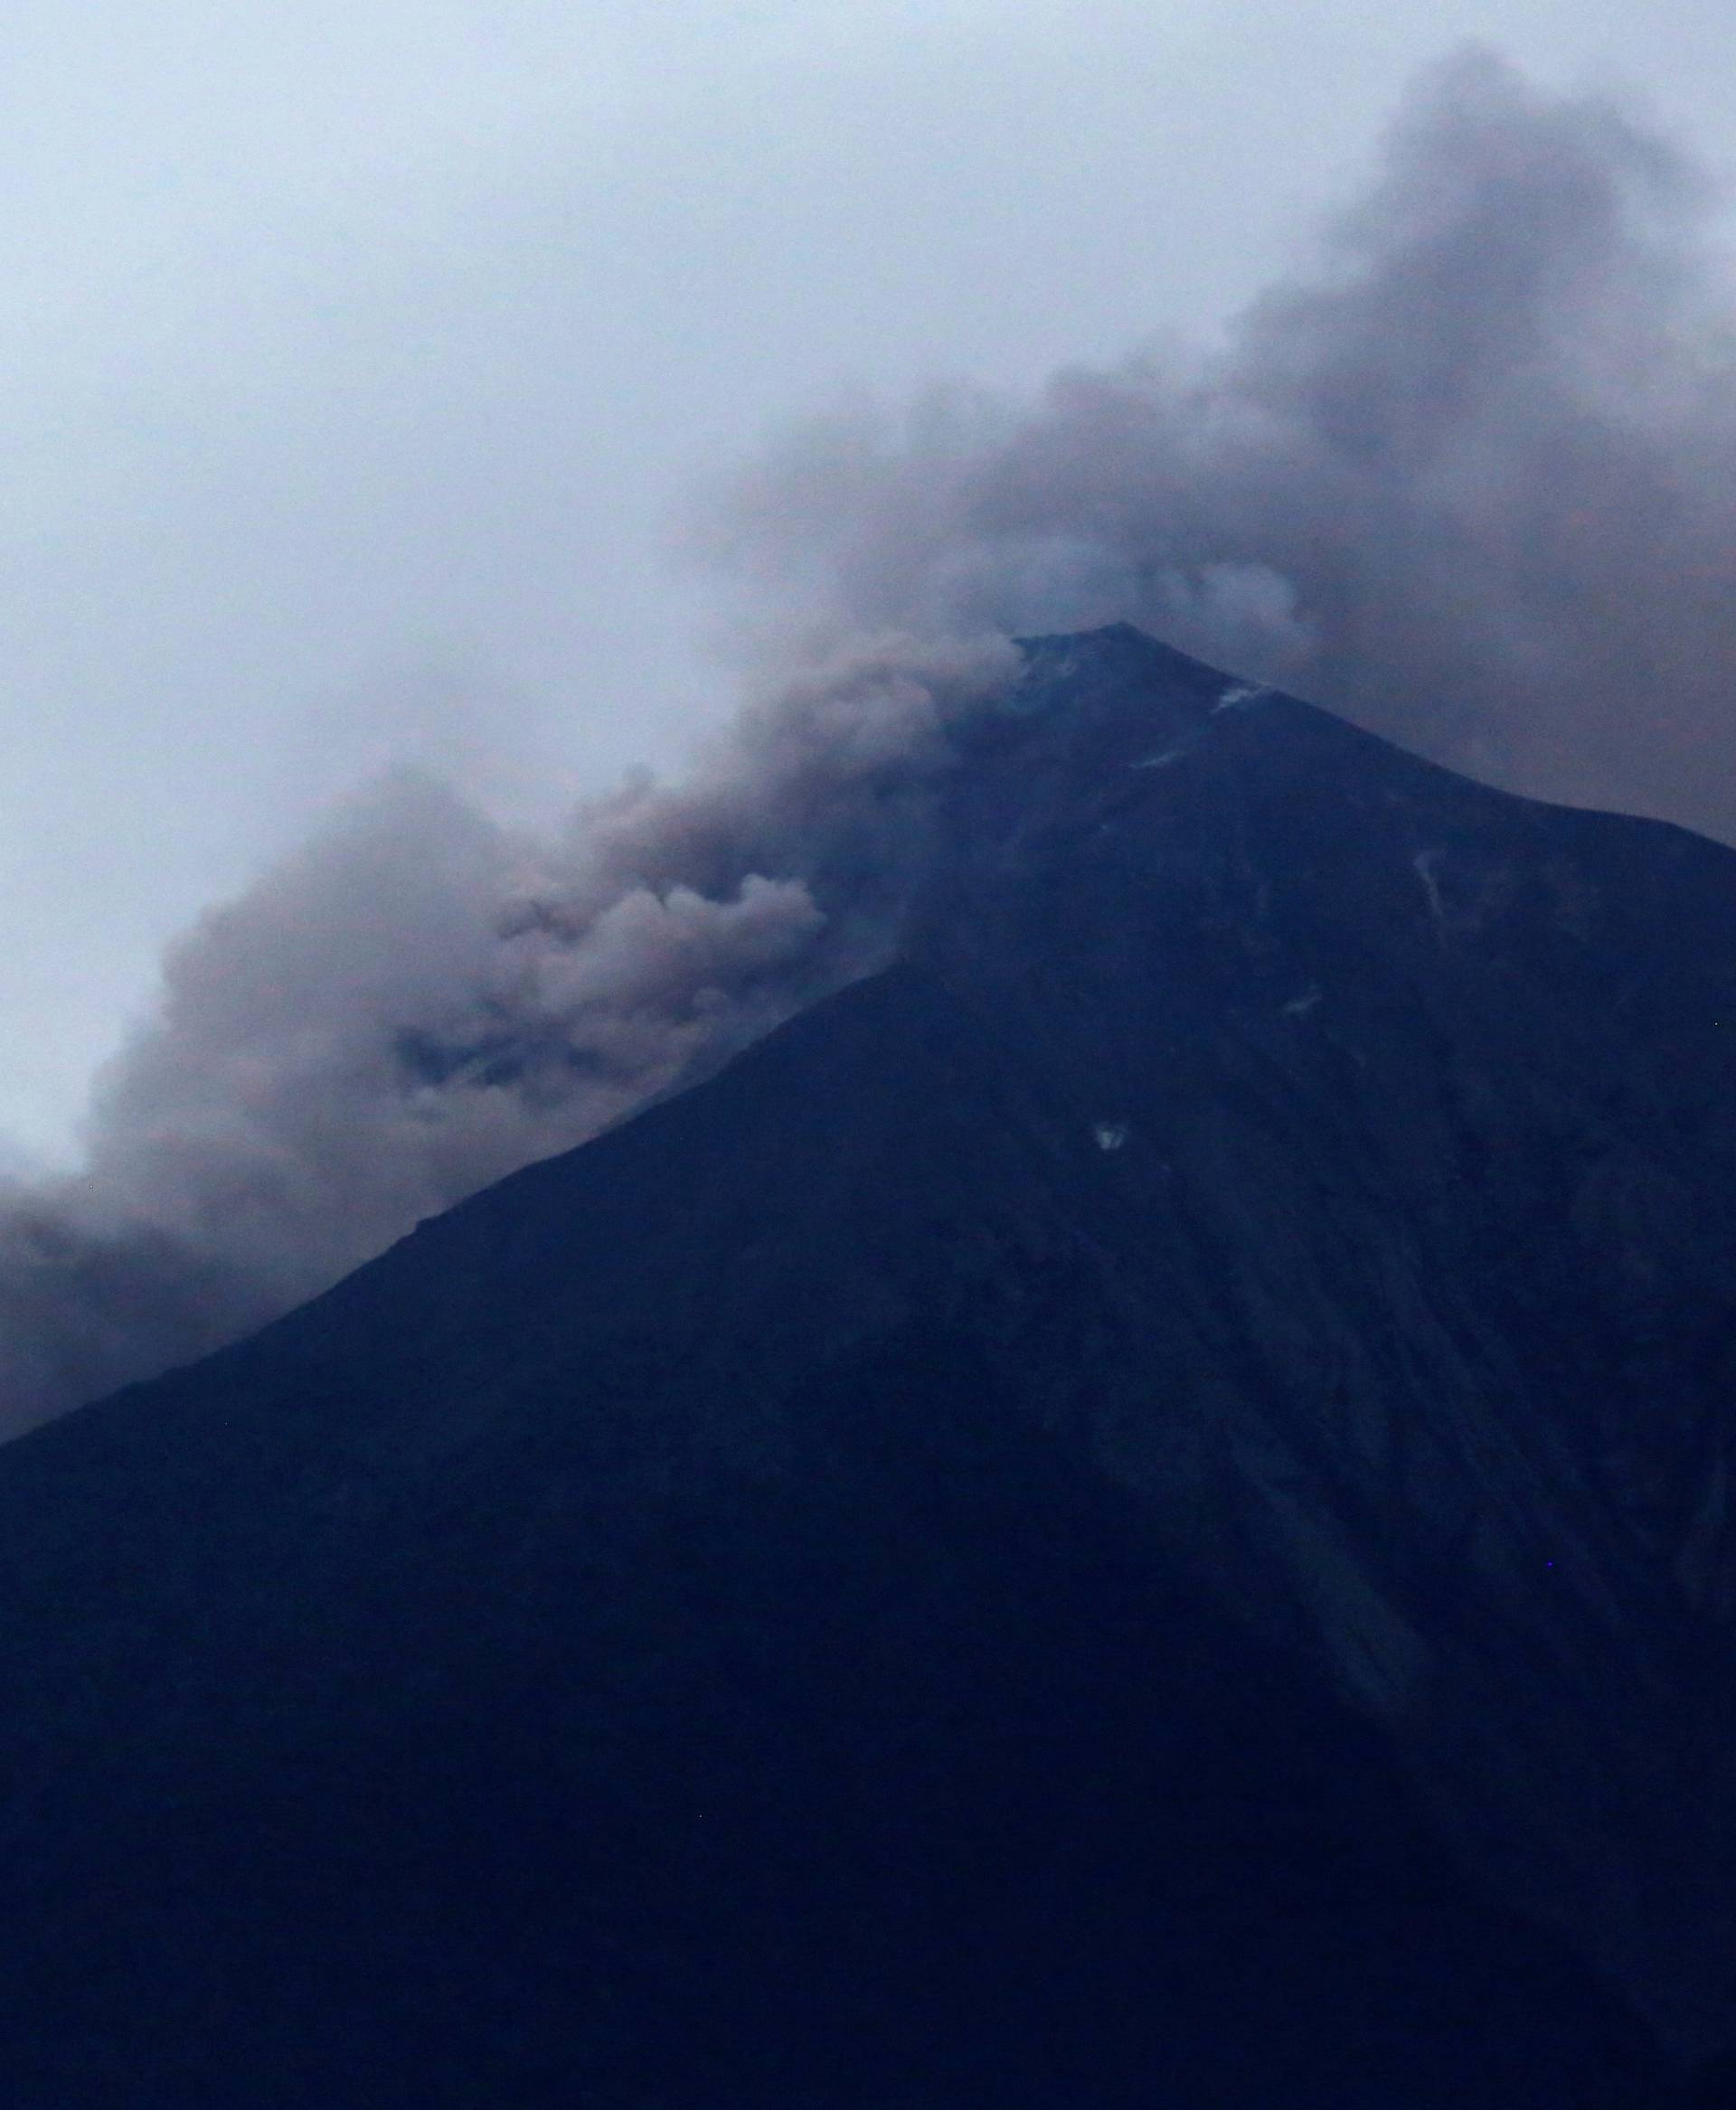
{"x":1133,"y":1511}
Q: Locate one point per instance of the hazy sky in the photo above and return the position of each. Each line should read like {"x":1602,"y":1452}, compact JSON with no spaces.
{"x":358,"y":361}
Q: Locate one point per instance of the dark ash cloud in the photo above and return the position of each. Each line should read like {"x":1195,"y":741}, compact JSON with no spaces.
{"x":1471,"y":482}
{"x":419,"y":1002}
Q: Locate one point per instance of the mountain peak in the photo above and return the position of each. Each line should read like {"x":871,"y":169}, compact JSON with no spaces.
{"x":1120,"y":648}
{"x":1186,"y":1418}
{"x":1084,"y":674}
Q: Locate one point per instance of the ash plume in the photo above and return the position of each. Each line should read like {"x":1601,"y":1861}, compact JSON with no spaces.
{"x":418,"y":1003}
{"x":1470,"y":482}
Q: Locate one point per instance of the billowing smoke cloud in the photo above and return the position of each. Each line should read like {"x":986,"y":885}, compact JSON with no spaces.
{"x":418,"y":1003}
{"x":1471,"y":482}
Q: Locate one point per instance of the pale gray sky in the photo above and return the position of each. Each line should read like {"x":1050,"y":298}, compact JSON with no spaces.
{"x":357,"y":359}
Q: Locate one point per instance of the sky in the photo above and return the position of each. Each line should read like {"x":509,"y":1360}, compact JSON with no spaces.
{"x":362,"y":363}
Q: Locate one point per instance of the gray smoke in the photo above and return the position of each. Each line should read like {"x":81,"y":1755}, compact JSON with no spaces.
{"x":1470,"y":482}
{"x":418,"y":1003}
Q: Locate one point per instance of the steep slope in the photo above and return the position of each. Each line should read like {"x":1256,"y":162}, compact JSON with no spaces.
{"x":1129,"y":1512}
{"x":1429,"y":1137}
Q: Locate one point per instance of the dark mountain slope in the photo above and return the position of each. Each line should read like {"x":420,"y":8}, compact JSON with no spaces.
{"x":1428,"y":1112}
{"x":1130,"y":1512}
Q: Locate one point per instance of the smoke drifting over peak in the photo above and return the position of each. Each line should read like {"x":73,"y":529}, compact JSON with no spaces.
{"x":1470,"y":482}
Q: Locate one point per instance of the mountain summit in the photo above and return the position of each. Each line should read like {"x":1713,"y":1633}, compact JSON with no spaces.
{"x":1133,"y":1510}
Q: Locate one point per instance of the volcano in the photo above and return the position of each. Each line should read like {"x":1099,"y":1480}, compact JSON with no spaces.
{"x":1134,"y":1510}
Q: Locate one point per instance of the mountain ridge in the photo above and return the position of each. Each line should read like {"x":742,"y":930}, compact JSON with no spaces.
{"x":1212,"y":1182}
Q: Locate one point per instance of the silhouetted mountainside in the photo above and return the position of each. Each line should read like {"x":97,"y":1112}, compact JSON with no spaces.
{"x":1132,"y":1511}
